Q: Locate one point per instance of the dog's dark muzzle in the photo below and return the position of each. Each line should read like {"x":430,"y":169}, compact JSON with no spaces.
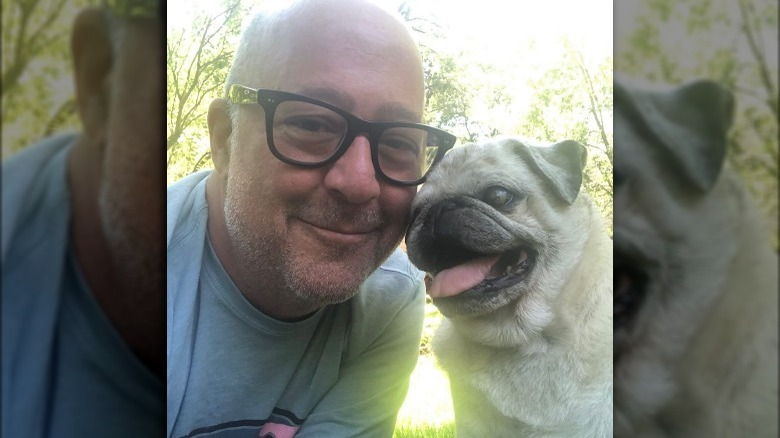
{"x":632,"y":275}
{"x":456,"y":230}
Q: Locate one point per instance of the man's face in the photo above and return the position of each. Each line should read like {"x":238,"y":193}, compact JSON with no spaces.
{"x":324,"y":230}
{"x":130,"y":202}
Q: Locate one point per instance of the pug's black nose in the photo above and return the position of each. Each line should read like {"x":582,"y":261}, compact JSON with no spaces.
{"x":444,"y":225}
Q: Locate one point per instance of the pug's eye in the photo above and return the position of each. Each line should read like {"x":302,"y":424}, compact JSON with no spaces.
{"x":498,"y":196}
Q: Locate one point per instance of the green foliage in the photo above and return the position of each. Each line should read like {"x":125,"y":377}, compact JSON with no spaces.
{"x":425,"y":431}
{"x":198,"y":59}
{"x":37,"y":84}
{"x":573,"y":100}
{"x":447,"y":98}
{"x":431,"y":323}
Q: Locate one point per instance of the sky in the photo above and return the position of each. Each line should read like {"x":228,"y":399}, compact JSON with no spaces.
{"x":493,"y":28}
{"x":498,"y":26}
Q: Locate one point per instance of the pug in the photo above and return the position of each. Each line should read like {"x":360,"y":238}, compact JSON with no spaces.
{"x":696,"y":347}
{"x":521,"y":267}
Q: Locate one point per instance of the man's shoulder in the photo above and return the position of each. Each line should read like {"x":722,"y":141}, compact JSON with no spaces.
{"x":398,"y":264}
{"x":186,"y":205}
{"x":22,"y":168}
{"x":188,"y":190}
{"x":396,"y":283}
{"x":34,"y":190}
{"x":188,"y":182}
{"x":390,"y":306}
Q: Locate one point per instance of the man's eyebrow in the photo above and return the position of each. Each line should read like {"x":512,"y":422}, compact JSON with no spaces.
{"x":392,"y":112}
{"x":386,"y":112}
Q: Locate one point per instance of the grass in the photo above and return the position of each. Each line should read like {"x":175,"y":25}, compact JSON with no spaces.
{"x":427,"y":410}
{"x":425,"y":431}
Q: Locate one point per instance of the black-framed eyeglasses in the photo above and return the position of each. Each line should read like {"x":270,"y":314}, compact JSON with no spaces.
{"x":309,"y":133}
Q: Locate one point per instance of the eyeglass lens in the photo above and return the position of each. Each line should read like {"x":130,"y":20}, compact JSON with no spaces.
{"x":309,"y":133}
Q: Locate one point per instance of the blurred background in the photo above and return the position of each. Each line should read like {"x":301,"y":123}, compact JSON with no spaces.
{"x":37,"y":84}
{"x":541,"y":70}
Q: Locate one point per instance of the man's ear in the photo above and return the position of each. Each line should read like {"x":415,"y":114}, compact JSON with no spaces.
{"x":92,"y":58}
{"x":220,"y":128}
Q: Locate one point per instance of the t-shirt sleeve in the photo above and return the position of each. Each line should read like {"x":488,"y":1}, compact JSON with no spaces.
{"x":383,"y":348}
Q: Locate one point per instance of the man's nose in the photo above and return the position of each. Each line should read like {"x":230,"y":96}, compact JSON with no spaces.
{"x":353,"y":174}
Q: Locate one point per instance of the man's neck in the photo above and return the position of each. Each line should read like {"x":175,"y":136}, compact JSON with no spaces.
{"x":144,"y":334}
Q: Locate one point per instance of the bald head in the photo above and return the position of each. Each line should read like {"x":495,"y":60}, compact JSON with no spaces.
{"x":276,"y":42}
{"x":350,"y":54}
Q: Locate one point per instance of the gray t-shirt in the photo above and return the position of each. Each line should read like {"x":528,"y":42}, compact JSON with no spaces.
{"x":235,"y":372}
{"x":100,"y":388}
{"x":66,"y":372}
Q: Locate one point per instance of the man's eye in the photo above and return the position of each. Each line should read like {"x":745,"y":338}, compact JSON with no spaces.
{"x":400,"y":144}
{"x":310,"y":125}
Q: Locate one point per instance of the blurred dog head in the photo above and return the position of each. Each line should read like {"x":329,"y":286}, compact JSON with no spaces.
{"x":673,"y":232}
{"x":669,"y":150}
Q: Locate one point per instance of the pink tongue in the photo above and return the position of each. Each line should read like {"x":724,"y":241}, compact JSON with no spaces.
{"x":459,"y":278}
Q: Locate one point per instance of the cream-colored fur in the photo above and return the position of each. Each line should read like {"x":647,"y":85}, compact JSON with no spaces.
{"x":540,"y":366}
{"x":700,"y":358}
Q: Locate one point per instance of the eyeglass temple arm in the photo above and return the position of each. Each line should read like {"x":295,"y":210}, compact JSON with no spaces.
{"x":241,"y":94}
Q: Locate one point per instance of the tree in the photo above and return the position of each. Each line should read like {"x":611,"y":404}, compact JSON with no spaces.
{"x":199,"y":58}
{"x":573,"y":100}
{"x":476,"y":101}
{"x":37,"y":89}
{"x":448,"y":93}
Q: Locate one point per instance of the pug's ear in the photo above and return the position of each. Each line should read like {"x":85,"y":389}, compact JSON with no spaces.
{"x":560,"y":165}
{"x":690,"y":123}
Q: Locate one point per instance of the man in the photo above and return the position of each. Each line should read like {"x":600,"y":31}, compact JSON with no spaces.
{"x":279,"y":322}
{"x":82,"y":297}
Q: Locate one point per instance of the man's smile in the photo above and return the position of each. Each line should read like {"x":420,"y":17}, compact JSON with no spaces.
{"x":338,"y":234}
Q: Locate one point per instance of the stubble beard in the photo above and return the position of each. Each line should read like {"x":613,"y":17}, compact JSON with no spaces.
{"x":135,"y":246}
{"x":277,"y":264}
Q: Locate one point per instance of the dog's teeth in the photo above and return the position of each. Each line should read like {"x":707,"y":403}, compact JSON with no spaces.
{"x":523,"y":257}
{"x":520,"y":264}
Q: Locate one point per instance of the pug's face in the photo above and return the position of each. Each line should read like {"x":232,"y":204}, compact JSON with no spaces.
{"x":488,"y":222}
